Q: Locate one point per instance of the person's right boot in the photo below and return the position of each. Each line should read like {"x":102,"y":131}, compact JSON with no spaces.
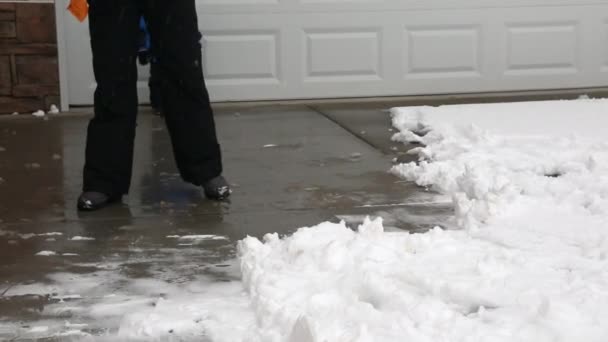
{"x":93,"y":200}
{"x":217,"y":188}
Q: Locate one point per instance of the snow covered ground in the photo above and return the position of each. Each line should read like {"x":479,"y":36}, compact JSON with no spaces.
{"x":524,"y":258}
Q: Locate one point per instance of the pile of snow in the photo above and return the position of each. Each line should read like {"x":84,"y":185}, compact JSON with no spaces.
{"x":501,"y":159}
{"x":54,"y":110}
{"x":328,"y":283}
{"x":527,"y":260}
{"x":39,"y":113}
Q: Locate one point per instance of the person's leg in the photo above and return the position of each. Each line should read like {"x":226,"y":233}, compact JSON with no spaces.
{"x":154,"y":84}
{"x":185,"y":101}
{"x":111,"y":132}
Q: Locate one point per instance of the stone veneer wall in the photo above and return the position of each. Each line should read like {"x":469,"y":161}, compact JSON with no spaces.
{"x":29,"y":69}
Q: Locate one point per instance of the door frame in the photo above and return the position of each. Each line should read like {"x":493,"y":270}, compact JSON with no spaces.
{"x":62,"y":58}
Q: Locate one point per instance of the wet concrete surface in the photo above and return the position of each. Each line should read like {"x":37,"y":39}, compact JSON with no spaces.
{"x":290,"y":167}
{"x":370,"y":122}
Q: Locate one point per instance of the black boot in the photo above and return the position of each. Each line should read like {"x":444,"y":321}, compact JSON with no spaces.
{"x":217,"y":188}
{"x":92,"y":200}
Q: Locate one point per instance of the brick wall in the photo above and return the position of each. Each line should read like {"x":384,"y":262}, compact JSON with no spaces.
{"x":29,"y":71}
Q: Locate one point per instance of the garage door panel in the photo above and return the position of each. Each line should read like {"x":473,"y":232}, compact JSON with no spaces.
{"x":551,"y":47}
{"x":341,"y":52}
{"x":346,"y":54}
{"x":443,"y":51}
{"x":234,"y":57}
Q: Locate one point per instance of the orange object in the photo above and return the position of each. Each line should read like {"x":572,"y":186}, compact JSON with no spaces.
{"x":79,"y":8}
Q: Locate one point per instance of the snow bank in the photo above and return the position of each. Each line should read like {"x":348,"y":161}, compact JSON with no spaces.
{"x":527,"y":262}
{"x":495,"y":159}
{"x":328,"y":283}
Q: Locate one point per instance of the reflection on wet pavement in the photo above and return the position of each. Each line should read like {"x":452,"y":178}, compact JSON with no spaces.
{"x":65,"y":275}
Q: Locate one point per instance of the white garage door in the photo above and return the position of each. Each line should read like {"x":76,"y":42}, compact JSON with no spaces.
{"x":294,"y":49}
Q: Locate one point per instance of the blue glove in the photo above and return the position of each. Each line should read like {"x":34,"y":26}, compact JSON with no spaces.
{"x":144,"y":56}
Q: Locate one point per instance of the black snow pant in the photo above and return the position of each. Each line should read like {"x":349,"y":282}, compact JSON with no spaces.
{"x":155,"y":84}
{"x":114,"y":28}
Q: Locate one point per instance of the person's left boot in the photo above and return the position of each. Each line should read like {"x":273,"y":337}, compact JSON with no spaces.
{"x":217,"y":188}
